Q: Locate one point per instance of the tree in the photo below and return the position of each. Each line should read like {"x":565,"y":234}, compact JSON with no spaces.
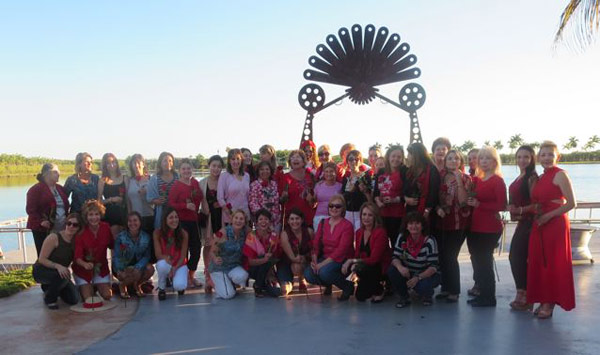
{"x":391,"y":145}
{"x":583,"y":16}
{"x":515,"y":141}
{"x":200,"y":160}
{"x":535,"y":145}
{"x":591,"y":143}
{"x":467,"y":146}
{"x":488,"y":143}
{"x":498,"y":145}
{"x":571,"y":144}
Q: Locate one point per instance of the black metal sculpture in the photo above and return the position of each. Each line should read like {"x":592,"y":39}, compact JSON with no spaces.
{"x":362,"y":61}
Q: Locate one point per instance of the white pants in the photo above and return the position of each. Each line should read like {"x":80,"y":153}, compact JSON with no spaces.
{"x":354,"y":218}
{"x":179,"y":277}
{"x":95,"y":280}
{"x":224,"y":281}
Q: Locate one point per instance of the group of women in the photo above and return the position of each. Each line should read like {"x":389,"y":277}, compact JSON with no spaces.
{"x":396,"y":224}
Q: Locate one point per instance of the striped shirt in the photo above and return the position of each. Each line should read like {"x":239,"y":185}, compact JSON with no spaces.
{"x":428,"y":255}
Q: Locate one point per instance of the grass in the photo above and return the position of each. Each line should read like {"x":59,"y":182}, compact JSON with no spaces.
{"x":14,"y":281}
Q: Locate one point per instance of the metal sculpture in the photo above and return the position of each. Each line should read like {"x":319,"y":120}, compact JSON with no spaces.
{"x":362,"y":61}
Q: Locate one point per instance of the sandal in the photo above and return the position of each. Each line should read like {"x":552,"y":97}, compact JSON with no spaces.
{"x":139,"y":293}
{"x":123,"y":292}
{"x":162,"y":295}
{"x":546,"y":312}
{"x":402,"y":303}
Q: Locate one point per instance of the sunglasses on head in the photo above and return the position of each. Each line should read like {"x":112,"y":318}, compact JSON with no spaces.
{"x":72,"y":224}
{"x":335,"y":205}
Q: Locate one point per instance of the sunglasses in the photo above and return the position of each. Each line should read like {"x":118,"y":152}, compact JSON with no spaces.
{"x":73,"y":224}
{"x":334,"y":205}
{"x":324,"y":154}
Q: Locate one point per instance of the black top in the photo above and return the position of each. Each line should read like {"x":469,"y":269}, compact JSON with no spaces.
{"x":63,"y":253}
{"x":352,"y":194}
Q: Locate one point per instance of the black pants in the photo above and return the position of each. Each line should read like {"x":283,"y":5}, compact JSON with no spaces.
{"x":369,"y":282}
{"x":194,"y":243}
{"x":423,"y":288}
{"x":55,"y":285}
{"x":519,"y":247}
{"x":148,"y":227}
{"x":449,"y":245}
{"x":38,"y":239}
{"x":259,"y":274}
{"x":481,"y":246}
{"x":392,"y":228}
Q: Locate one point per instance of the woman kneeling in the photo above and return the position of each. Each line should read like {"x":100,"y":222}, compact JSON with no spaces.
{"x":415,"y":261}
{"x":171,"y":248}
{"x":226,"y":256}
{"x":131,"y":259}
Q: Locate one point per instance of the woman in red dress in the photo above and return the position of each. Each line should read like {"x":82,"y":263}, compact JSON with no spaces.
{"x":549,"y":270}
{"x":297,"y":188}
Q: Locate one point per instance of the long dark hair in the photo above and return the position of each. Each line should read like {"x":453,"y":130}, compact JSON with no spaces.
{"x":164,"y":228}
{"x":421,"y":160}
{"x":230,"y":155}
{"x":105,"y":157}
{"x":133,"y":160}
{"x":161,"y":157}
{"x":529,"y":171}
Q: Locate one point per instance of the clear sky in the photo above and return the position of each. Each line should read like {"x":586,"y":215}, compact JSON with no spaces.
{"x":197,"y":76}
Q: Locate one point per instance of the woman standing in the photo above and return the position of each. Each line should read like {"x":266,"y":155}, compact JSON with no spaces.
{"x":331,"y":247}
{"x":112,"y":189}
{"x":226,"y":256}
{"x":83,"y":185}
{"x":312,"y":160}
{"x":522,"y":211}
{"x":372,"y":255}
{"x":356,"y":187}
{"x":374,"y":154}
{"x":233,"y":186}
{"x":486,"y":225}
{"x":171,"y":248}
{"x":47,"y":205}
{"x":52,"y":267}
{"x":296,"y":244}
{"x":440,"y":148}
{"x":298,"y":187}
{"x":90,"y":269}
{"x":264,"y":195}
{"x":324,"y":190}
{"x":453,"y":214}
{"x":422,"y":184}
{"x":208,"y":186}
{"x":136,"y":192}
{"x":325,"y":157}
{"x":131,"y":257}
{"x":549,"y":270}
{"x":249,"y":163}
{"x":415,"y":261}
{"x":160,"y":185}
{"x":388,"y":192}
{"x":185,"y":197}
{"x":267,"y":153}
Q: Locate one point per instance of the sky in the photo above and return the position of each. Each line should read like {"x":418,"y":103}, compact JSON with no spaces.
{"x":195,"y":77}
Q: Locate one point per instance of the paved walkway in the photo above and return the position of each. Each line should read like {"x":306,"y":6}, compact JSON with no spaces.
{"x":321,"y":325}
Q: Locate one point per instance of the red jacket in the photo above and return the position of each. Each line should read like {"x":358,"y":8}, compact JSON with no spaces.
{"x":40,"y":204}
{"x":381,"y":253}
{"x":181,"y":194}
{"x":491,"y":195}
{"x":93,"y":249}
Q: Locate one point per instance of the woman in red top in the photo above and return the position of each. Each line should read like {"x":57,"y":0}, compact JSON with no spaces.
{"x":422,"y":183}
{"x":325,"y":157}
{"x":549,"y":270}
{"x":47,"y":205}
{"x":453,"y":214}
{"x":296,"y":241}
{"x":297,"y":187}
{"x":310,"y":150}
{"x":332,"y":246}
{"x":185,"y":197}
{"x":486,"y":225}
{"x":91,"y":265}
{"x":522,"y":211}
{"x":388,"y":192}
{"x":372,"y":255}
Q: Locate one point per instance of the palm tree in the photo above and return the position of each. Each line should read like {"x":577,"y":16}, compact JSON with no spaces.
{"x":591,"y":143}
{"x":466,"y":146}
{"x":535,"y":145}
{"x":488,"y":143}
{"x":498,"y":145}
{"x":584,"y":18}
{"x":571,"y":144}
{"x":515,"y":141}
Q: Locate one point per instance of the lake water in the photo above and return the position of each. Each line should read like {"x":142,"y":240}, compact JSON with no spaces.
{"x":13,"y":193}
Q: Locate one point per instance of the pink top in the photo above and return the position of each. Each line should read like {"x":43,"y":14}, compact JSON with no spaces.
{"x":323,"y":193}
{"x":233,"y":192}
{"x":337,"y":245}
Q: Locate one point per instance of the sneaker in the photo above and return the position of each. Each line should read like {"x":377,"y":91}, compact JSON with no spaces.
{"x":52,"y":306}
{"x":162,"y":295}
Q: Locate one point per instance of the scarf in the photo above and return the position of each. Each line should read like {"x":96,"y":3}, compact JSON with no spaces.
{"x":414,"y":246}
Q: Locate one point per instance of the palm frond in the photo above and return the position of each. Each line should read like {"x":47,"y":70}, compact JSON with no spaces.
{"x":582,"y":19}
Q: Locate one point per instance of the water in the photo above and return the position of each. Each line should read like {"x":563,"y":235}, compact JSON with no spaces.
{"x":13,"y":193}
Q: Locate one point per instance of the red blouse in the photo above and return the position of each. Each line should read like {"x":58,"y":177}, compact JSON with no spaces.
{"x":491,"y":195}
{"x":90,"y":248}
{"x":381,"y":253}
{"x":336,"y":245}
{"x":181,"y":194}
{"x":297,"y":192}
{"x":456,"y":216}
{"x":390,"y":185}
{"x":169,"y":247}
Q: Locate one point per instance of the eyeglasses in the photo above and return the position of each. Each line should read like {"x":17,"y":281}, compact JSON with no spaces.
{"x":352,"y":159}
{"x":335,"y":205}
{"x":324,"y":154}
{"x":73,"y":224}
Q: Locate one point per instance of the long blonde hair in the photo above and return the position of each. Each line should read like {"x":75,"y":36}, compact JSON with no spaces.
{"x":493,"y":153}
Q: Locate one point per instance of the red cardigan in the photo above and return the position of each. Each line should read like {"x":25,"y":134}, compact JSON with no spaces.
{"x":181,"y":194}
{"x":93,"y":249}
{"x":381,"y":253}
{"x":491,"y":195}
{"x":40,"y":202}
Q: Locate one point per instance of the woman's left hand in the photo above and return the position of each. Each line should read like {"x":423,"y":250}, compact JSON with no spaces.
{"x":411,"y":201}
{"x":346,"y":266}
{"x":543,"y":219}
{"x":412,"y":282}
{"x":191,"y":206}
{"x":473,"y":202}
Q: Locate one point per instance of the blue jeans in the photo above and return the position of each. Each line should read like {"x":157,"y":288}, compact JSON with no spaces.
{"x":423,"y":288}
{"x":330,"y":274}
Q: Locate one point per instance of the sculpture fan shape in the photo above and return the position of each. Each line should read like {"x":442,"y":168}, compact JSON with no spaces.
{"x":362,"y":61}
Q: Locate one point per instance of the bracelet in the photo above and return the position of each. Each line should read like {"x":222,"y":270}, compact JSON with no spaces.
{"x":520,"y":210}
{"x":419,"y":277}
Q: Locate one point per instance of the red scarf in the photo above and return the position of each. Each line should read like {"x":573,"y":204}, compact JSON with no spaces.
{"x":414,"y":246}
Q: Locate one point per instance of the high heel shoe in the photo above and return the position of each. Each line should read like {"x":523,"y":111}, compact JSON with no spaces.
{"x":123,"y":292}
{"x":520,"y":302}
{"x":546,"y":312}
